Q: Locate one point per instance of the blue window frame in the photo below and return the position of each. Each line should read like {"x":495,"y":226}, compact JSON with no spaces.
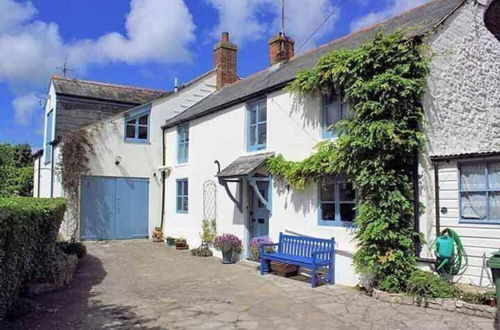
{"x":334,"y":110}
{"x":49,"y":123}
{"x":337,"y":201}
{"x":182,"y":200}
{"x":182,"y":143}
{"x":256,"y":125}
{"x":137,"y":125}
{"x":479,"y":192}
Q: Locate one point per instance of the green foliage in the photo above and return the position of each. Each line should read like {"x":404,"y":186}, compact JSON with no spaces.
{"x":208,"y":231}
{"x":480,"y":298}
{"x":69,"y":247}
{"x":16,"y":170}
{"x":383,"y":82}
{"x":202,"y":251}
{"x":28,"y":233}
{"x":423,"y":284}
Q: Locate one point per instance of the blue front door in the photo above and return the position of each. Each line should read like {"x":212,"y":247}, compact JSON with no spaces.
{"x":260,"y":212}
{"x":113,"y":208}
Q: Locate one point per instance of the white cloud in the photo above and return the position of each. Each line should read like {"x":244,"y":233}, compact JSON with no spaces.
{"x":156,"y":31}
{"x":248,"y":20}
{"x":24,"y":106}
{"x":392,"y":8}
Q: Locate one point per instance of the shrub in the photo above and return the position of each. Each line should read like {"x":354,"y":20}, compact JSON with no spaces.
{"x":202,"y":252}
{"x":429,"y":285}
{"x":73,"y":248}
{"x":208,"y":231}
{"x":28,"y":233}
{"x":228,"y":243}
{"x":255,"y":244}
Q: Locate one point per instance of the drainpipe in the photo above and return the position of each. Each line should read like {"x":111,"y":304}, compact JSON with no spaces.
{"x":52,"y":171}
{"x":436,"y":197}
{"x":39,"y":170}
{"x":162,"y":178}
{"x":416,"y":202}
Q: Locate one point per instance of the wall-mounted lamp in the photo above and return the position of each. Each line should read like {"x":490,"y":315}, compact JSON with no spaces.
{"x":118,"y":160}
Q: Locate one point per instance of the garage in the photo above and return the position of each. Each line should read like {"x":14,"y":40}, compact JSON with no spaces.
{"x":113,"y":208}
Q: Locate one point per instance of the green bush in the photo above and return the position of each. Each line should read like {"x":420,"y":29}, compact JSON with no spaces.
{"x":73,"y":248}
{"x":28,"y":233}
{"x":429,"y":285}
{"x":202,"y":252}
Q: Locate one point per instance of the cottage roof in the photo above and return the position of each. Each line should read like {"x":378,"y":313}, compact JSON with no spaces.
{"x":104,"y":91}
{"x":416,"y":22}
{"x":244,"y":165}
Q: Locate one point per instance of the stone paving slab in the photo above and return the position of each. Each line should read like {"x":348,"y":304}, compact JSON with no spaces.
{"x":144,"y":285}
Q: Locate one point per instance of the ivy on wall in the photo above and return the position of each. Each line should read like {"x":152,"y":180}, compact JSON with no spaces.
{"x":383,"y":81}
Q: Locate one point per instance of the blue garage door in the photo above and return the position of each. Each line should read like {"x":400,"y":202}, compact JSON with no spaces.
{"x":113,"y":208}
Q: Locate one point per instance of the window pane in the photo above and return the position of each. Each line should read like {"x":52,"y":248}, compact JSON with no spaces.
{"x":185,"y":190}
{"x":328,"y":212}
{"x":494,"y":175}
{"x":143,"y":132}
{"x":143,"y":120}
{"x":179,"y":203}
{"x":346,"y":192}
{"x":347,"y":212}
{"x":473,"y":206}
{"x":179,"y":188}
{"x":262,"y":134}
{"x":473,"y":177}
{"x":333,"y":110}
{"x":131,"y":121}
{"x":253,"y":114}
{"x":494,"y":206}
{"x":252,"y":135}
{"x":181,"y":155}
{"x":185,"y":203}
{"x":262,"y":111}
{"x":328,"y":189}
{"x":131,"y":131}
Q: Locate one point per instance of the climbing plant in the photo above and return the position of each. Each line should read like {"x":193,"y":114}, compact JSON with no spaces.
{"x":383,"y":82}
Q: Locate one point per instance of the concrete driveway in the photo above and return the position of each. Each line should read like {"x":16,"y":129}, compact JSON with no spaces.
{"x":139,"y":284}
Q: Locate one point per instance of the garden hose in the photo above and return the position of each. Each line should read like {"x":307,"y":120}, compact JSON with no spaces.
{"x":457,"y":263}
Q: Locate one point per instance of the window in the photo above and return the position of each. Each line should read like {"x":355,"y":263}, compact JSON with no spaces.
{"x":137,"y":126}
{"x":337,"y":201}
{"x":480,"y":192}
{"x":182,"y":143}
{"x":49,"y":123}
{"x":182,"y":196}
{"x":257,"y":125}
{"x":334,"y":110}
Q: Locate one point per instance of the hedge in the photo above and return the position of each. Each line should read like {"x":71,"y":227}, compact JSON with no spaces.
{"x":28,"y":233}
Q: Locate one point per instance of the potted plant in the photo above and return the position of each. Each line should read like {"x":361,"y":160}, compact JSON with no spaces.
{"x":228,"y":244}
{"x":255,"y":244}
{"x":170,"y":241}
{"x":180,"y":244}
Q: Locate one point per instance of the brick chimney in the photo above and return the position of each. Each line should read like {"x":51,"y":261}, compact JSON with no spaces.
{"x":280,"y":49}
{"x":225,"y":61}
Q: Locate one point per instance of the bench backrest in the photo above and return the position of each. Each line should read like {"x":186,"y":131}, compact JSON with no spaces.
{"x":304,"y":246}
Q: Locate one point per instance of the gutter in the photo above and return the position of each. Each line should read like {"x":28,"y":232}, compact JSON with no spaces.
{"x":163,"y":177}
{"x":436,"y":198}
{"x":53,"y":144}
{"x":39,"y":171}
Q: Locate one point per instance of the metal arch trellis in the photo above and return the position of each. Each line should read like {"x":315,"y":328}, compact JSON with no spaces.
{"x":209,"y":200}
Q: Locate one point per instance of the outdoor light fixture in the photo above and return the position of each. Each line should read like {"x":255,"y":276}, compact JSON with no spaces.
{"x":118,"y":160}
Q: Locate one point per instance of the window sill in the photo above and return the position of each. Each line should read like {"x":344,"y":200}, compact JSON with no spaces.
{"x":181,"y":164}
{"x":345,"y":224}
{"x":479,"y":222}
{"x":131,"y":141}
{"x":181,"y":212}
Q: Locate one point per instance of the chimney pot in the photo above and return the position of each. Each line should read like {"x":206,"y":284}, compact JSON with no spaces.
{"x":225,"y":61}
{"x":281,"y":49}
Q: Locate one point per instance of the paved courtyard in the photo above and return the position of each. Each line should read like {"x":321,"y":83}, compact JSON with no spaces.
{"x":139,"y":284}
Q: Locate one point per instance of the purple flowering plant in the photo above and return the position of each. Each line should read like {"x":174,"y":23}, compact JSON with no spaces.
{"x":228,"y":243}
{"x":255,"y":244}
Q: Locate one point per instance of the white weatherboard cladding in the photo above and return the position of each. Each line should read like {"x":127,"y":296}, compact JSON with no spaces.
{"x":462,"y":105}
{"x":141,"y":160}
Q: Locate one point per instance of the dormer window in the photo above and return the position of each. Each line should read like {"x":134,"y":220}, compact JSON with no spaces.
{"x":137,"y":126}
{"x":334,"y":110}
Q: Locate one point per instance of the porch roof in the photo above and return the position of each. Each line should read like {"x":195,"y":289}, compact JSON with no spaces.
{"x":244,"y":165}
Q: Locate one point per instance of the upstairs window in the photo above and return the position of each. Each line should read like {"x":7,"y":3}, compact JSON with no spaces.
{"x":137,"y":126}
{"x":182,"y":143}
{"x":256,"y":125}
{"x":182,"y":200}
{"x":480,"y":192}
{"x":49,"y":123}
{"x":334,"y":110}
{"x":337,"y":201}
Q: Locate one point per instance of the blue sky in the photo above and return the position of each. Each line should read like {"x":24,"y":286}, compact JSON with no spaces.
{"x":148,"y":43}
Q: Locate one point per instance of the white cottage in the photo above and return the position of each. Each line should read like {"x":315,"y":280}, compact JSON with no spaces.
{"x":217,"y":149}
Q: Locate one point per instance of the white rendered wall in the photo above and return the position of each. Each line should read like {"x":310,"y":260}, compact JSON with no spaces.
{"x":462,"y":105}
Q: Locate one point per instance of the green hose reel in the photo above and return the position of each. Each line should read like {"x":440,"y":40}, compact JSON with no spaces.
{"x":451,"y":259}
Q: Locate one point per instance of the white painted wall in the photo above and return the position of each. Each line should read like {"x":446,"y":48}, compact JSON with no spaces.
{"x":462,"y":106}
{"x":141,"y":160}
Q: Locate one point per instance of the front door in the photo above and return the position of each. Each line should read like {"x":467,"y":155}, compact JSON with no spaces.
{"x":259,"y":214}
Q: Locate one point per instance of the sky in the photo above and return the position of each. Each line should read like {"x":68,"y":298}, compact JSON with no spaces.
{"x":149,"y":43}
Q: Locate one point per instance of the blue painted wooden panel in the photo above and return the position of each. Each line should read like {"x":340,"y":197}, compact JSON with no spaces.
{"x":114,"y":208}
{"x":97,"y":208}
{"x":131,"y":208}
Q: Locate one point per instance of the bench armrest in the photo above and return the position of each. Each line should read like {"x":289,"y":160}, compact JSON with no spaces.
{"x":264,"y":245}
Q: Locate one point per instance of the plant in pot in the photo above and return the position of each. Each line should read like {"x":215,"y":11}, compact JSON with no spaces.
{"x":170,"y":241}
{"x":228,"y":244}
{"x":181,"y":244}
{"x":255,"y":244}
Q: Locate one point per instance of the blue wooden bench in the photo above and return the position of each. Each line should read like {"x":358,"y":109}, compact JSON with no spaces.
{"x":307,"y":252}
